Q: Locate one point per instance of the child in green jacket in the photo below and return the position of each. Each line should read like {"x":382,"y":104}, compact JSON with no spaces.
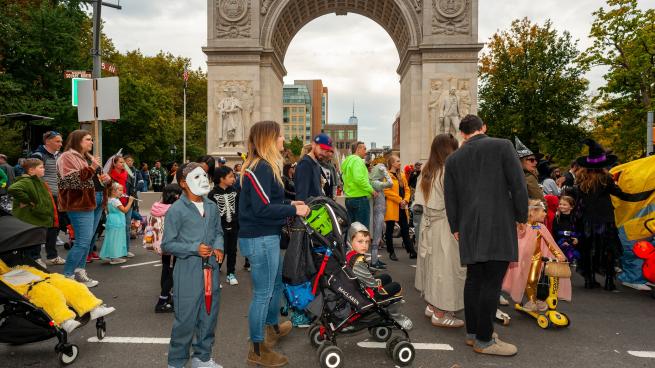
{"x":33,"y":202}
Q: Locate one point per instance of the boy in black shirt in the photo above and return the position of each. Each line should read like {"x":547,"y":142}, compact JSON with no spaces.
{"x":227,"y":199}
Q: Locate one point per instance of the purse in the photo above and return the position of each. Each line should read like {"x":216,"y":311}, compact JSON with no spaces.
{"x":558,"y":269}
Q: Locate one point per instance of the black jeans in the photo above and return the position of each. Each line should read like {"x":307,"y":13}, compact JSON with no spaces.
{"x":404,"y":232}
{"x":481,"y":293}
{"x":166,"y":281}
{"x":230,"y":246}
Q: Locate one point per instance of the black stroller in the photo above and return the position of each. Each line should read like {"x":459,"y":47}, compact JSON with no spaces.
{"x":21,"y":322}
{"x":318,"y":278}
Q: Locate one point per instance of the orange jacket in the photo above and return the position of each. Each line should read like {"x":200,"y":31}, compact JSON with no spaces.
{"x":392,"y":195}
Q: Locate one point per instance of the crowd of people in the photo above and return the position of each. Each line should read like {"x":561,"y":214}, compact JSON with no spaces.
{"x":478,"y":216}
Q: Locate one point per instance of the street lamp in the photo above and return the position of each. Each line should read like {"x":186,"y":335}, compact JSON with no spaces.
{"x":173,"y":151}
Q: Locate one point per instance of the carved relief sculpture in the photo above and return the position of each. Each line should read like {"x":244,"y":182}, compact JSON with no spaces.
{"x":233,"y":20}
{"x":417,"y":5}
{"x":451,"y":17}
{"x":435,"y":105}
{"x":234,"y":107}
{"x":464,"y":96}
{"x":263,"y":9}
{"x":450,"y":114}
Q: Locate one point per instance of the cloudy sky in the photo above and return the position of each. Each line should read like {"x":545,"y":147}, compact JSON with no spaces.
{"x":353,"y":55}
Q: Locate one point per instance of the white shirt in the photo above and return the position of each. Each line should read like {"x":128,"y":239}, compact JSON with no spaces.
{"x":200,"y":206}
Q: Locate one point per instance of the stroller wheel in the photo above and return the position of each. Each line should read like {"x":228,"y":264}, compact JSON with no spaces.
{"x":392,"y":344}
{"x":403,"y":353}
{"x":381,"y":334}
{"x":323,"y":345}
{"x":331,"y":357}
{"x":68,"y":354}
{"x":101,"y":328}
{"x":315,"y":337}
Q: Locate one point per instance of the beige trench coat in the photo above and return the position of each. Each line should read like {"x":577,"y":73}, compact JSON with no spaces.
{"x":439,"y":274}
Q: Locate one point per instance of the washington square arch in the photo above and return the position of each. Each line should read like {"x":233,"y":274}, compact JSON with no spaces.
{"x":247,"y":41}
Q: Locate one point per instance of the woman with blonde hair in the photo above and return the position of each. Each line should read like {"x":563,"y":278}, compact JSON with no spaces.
{"x":440,"y":276}
{"x":397,"y":196}
{"x":262,"y":212}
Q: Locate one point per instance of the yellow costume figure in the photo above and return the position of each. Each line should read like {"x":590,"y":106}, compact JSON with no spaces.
{"x":535,"y":266}
{"x":51,"y":292}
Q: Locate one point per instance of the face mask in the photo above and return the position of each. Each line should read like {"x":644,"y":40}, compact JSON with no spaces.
{"x":197,"y":182}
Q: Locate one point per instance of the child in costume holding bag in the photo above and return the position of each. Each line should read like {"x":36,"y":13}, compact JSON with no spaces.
{"x":535,"y":242}
{"x":115,"y":244}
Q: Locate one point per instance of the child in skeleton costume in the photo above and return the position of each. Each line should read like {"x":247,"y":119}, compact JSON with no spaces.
{"x":534,"y":242}
{"x":226,"y":198}
{"x":380,"y":180}
{"x":192,"y":233}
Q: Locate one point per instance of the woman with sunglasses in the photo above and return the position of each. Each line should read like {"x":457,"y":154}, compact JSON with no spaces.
{"x":529,"y":163}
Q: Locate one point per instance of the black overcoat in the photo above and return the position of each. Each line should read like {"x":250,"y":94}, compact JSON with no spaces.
{"x":486,"y":195}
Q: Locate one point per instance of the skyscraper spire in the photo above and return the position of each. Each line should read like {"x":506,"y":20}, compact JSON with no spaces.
{"x":353,"y":119}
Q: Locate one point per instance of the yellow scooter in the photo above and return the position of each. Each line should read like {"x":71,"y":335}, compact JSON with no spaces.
{"x":551,"y":317}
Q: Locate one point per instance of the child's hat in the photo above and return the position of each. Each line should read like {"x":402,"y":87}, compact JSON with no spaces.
{"x":355,"y":228}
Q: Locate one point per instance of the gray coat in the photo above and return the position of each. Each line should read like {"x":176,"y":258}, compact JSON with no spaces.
{"x":485,"y":195}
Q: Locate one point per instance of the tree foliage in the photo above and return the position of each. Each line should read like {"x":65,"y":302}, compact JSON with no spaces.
{"x":532,"y":88}
{"x":624,"y":42}
{"x":295,"y":146}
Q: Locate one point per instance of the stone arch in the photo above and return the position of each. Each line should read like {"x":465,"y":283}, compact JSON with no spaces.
{"x":286,"y":18}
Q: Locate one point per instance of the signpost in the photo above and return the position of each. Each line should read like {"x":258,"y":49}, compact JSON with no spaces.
{"x":98,"y":100}
{"x":75,"y":89}
{"x":68,"y":74}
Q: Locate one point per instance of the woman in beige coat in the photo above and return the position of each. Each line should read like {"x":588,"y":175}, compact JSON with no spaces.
{"x":439,"y":274}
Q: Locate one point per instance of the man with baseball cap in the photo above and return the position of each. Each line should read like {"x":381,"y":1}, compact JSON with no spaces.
{"x":308,"y":172}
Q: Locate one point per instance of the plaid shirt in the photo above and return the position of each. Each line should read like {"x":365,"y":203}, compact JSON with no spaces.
{"x":157,"y":176}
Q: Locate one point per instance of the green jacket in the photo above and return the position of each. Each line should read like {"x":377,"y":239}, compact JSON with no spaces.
{"x":32,"y":191}
{"x":355,"y":177}
{"x":3,"y":179}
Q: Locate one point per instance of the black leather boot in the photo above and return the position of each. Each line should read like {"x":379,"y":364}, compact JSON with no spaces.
{"x":609,"y":283}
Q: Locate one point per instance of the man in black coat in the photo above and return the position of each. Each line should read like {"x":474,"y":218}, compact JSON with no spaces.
{"x":307,"y":178}
{"x":486,"y":196}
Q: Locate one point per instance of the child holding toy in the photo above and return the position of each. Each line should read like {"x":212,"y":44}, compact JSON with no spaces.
{"x":115,"y":244}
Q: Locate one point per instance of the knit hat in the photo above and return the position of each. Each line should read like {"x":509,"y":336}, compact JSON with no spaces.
{"x":355,"y":228}
{"x":523,"y":151}
{"x":597,"y":157}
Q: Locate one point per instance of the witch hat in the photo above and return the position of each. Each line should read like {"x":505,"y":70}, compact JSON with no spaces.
{"x":523,"y":151}
{"x":597,"y":158}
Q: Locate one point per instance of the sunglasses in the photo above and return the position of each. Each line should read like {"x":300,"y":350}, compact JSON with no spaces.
{"x":51,"y":134}
{"x":532,"y":159}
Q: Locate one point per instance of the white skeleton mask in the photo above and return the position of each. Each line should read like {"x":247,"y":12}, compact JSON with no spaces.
{"x":198,"y":182}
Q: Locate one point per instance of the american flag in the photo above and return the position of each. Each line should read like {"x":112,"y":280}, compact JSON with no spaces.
{"x":185,"y":75}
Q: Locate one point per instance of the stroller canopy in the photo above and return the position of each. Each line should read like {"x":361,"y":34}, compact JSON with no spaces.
{"x":16,"y":234}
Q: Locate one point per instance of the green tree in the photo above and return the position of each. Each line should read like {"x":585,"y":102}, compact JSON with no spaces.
{"x":624,"y":42}
{"x":295,"y":146}
{"x":532,"y":88}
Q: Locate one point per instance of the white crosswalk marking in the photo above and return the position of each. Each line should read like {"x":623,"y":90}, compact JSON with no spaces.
{"x":417,"y":345}
{"x":132,"y":340}
{"x":642,"y":354}
{"x":139,"y":264}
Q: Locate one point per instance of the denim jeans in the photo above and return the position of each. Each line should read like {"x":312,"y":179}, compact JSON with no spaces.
{"x":97,"y":216}
{"x":266,"y":273}
{"x":359,"y":210}
{"x":84,"y":224}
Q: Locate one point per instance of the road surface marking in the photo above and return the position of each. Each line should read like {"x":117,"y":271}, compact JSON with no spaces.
{"x":139,"y":264}
{"x":157,"y":265}
{"x":642,"y":354}
{"x":132,"y":340}
{"x":417,"y":345}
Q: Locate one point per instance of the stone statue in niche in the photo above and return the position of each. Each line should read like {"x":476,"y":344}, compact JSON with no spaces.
{"x":234,"y":107}
{"x":464,"y":96}
{"x":434,"y":105}
{"x":450,"y":17}
{"x":450,"y":114}
{"x":233,"y":19}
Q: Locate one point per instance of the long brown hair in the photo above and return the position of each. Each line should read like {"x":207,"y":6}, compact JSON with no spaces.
{"x":590,"y":180}
{"x":262,"y":145}
{"x":442,"y":146}
{"x":74,"y":140}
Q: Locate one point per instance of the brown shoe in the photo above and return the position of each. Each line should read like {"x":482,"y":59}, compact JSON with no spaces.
{"x":271,"y":337}
{"x":497,"y":347}
{"x":266,"y":357}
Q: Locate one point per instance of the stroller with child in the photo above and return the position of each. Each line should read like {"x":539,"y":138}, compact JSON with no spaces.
{"x":21,"y":322}
{"x":319,"y":280}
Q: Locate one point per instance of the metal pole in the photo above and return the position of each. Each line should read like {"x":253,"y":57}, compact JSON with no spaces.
{"x":184,"y":129}
{"x":649,"y":133}
{"x":97,"y":72}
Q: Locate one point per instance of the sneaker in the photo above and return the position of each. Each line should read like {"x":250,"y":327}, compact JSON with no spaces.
{"x":69,"y":325}
{"x":197,"y":363}
{"x":94,"y":256}
{"x":429,"y":311}
{"x":89,"y":259}
{"x":542,"y":306}
{"x":164,"y":308}
{"x":503,"y":301}
{"x":382,"y":263}
{"x":101,"y":311}
{"x":130,"y":255}
{"x":448,"y":320}
{"x":60,"y":242}
{"x":41,"y":263}
{"x":232,"y":279}
{"x":530,"y":306}
{"x":56,"y":261}
{"x":81,"y":276}
{"x":115,"y":261}
{"x":640,"y":287}
{"x":378,"y":266}
{"x":497,"y":347}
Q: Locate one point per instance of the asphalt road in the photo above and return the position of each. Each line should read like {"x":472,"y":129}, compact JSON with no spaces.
{"x":605,"y":327}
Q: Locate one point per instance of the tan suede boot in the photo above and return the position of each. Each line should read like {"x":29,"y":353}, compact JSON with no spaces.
{"x":266,"y":357}
{"x":271,"y":337}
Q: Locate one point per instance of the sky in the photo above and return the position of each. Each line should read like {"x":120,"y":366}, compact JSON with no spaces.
{"x":355,"y":58}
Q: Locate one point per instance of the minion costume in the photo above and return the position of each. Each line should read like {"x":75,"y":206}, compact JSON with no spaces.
{"x":51,"y":292}
{"x":185,"y":228}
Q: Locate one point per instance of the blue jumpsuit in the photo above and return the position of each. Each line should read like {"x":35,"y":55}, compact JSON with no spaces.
{"x":184,"y":230}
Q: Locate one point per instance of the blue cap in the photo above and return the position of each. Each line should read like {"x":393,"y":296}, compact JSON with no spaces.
{"x":324,"y":141}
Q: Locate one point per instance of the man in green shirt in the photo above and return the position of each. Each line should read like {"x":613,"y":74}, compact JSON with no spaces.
{"x":356,"y":185}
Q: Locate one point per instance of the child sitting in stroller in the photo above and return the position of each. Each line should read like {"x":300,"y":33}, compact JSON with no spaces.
{"x":380,"y":286}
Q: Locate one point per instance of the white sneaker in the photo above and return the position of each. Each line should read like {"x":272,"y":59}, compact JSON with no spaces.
{"x":197,"y":363}
{"x":56,"y":261}
{"x":503,"y":301}
{"x":115,"y":261}
{"x":232,"y":279}
{"x":41,"y":263}
{"x":81,"y":276}
{"x":130,"y":255}
{"x":640,"y":287}
{"x":101,"y":311}
{"x":60,"y":242}
{"x":69,"y":325}
{"x":429,"y":312}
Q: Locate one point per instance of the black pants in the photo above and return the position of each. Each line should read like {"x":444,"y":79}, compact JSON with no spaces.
{"x":404,"y":232}
{"x":230,"y":246}
{"x":166,"y":281}
{"x":481,"y":293}
{"x":157,"y":188}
